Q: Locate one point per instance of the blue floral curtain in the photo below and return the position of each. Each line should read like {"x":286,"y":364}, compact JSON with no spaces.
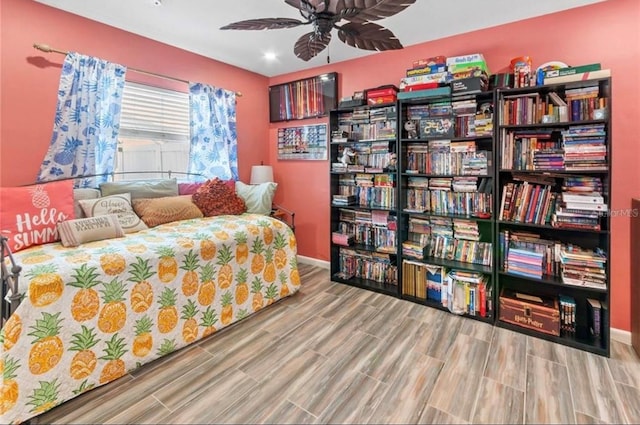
{"x":214,"y":141}
{"x":87,"y":121}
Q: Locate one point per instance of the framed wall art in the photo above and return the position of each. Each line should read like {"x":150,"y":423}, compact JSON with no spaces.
{"x":307,"y":98}
{"x":304,"y":142}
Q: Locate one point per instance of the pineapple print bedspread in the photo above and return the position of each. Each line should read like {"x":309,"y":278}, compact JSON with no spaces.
{"x":92,"y":313}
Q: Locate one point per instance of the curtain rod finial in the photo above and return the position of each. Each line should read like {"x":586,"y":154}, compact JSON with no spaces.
{"x":43,"y":47}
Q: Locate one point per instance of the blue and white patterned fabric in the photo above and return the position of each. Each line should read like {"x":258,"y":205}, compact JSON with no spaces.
{"x":214,"y":140}
{"x":87,"y":121}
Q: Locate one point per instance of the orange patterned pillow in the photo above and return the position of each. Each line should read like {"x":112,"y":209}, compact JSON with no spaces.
{"x":215,"y":197}
{"x":156,"y":211}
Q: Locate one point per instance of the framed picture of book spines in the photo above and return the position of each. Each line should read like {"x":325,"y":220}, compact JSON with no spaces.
{"x":304,"y":142}
{"x":311,"y":97}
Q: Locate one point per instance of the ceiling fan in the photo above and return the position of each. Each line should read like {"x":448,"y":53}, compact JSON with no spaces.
{"x":325,"y":15}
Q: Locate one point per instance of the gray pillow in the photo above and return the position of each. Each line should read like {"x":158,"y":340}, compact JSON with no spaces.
{"x":140,"y":189}
{"x":80,"y":194}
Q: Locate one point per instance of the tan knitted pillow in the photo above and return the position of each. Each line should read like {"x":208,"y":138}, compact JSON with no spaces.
{"x":156,"y":211}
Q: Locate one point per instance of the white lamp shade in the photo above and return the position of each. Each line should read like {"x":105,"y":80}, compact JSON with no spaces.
{"x":261,"y":174}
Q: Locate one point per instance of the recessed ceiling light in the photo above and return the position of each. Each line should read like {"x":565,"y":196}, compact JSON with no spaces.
{"x":270,"y":56}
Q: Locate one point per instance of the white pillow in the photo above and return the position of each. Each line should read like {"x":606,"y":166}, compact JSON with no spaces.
{"x":119,"y":205}
{"x":257,"y":197}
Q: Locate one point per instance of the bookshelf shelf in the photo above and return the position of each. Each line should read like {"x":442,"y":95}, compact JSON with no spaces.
{"x":451,"y":216}
{"x":547,"y":227}
{"x":532,"y":202}
{"x":450,"y":264}
{"x":437,"y":305}
{"x":361,"y":208}
{"x":551,"y":280}
{"x":372,"y":285}
{"x":445,"y":176}
{"x":549,"y":172}
{"x":562,"y":124}
{"x":585,"y":344}
{"x":362,"y":247}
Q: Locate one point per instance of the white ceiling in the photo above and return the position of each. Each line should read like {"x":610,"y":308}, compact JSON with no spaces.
{"x":193,"y":25}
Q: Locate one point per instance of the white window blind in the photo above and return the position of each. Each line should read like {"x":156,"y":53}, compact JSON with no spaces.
{"x":153,"y":113}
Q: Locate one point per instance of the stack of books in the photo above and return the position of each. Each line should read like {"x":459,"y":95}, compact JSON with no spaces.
{"x":525,"y":262}
{"x":581,"y":204}
{"x":343,"y":200}
{"x":583,"y":267}
{"x":584,"y":148}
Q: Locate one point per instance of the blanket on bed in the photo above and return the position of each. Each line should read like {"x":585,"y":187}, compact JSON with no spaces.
{"x":92,"y":313}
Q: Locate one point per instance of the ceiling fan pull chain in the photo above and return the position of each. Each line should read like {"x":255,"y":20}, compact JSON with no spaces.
{"x":328,"y":53}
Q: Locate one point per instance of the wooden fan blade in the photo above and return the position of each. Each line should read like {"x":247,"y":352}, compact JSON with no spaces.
{"x":310,"y":44}
{"x":264,"y":24}
{"x":313,"y":6}
{"x":372,"y":10}
{"x":368,"y":36}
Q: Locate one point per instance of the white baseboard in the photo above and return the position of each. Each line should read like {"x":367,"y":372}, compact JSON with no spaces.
{"x":621,"y":336}
{"x":319,"y":263}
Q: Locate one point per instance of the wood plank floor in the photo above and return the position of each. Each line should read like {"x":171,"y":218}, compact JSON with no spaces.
{"x":337,"y":354}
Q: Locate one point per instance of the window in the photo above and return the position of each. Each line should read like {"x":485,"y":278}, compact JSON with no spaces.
{"x":154,"y":132}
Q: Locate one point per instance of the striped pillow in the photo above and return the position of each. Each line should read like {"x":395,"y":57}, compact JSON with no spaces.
{"x":81,"y":230}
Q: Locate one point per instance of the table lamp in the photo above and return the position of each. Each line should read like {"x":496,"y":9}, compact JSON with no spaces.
{"x":261,"y":174}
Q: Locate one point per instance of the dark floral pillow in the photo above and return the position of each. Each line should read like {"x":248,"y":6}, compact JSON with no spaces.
{"x":215,"y":197}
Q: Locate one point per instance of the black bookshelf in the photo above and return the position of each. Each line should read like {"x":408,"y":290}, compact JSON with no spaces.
{"x":538,"y":134}
{"x":370,"y":259}
{"x":422,"y":163}
{"x":491,"y":226}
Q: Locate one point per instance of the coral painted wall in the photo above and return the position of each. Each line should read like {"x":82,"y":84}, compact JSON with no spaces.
{"x":606,"y":32}
{"x":30,"y":81}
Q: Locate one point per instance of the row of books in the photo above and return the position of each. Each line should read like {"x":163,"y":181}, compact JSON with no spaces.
{"x":527,"y":203}
{"x":473,"y":120}
{"x":381,"y":130}
{"x":579,"y":148}
{"x":461,"y":292}
{"x":444,"y":157}
{"x":377,"y":218}
{"x":382,"y":238}
{"x":528,"y":255}
{"x":450,"y":249}
{"x":536,"y":108}
{"x":594,"y":316}
{"x":372,"y":197}
{"x":580,"y":204}
{"x":366,"y":115}
{"x":375,"y":266}
{"x":366,"y":180}
{"x":444,"y":202}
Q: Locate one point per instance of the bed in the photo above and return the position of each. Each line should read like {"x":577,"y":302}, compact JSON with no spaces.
{"x":90,"y":314}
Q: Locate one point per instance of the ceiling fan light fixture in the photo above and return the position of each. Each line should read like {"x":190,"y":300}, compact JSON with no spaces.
{"x":270,"y":56}
{"x":327,"y":15}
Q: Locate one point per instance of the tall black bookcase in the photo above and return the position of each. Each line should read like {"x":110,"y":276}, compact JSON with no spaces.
{"x":553,"y":205}
{"x":364,"y":193}
{"x":484,"y":197}
{"x":446,"y":225}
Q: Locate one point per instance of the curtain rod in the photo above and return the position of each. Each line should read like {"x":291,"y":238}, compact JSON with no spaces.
{"x":48,"y":49}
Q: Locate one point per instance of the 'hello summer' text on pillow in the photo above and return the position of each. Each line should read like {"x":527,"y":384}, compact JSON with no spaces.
{"x":29,"y":215}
